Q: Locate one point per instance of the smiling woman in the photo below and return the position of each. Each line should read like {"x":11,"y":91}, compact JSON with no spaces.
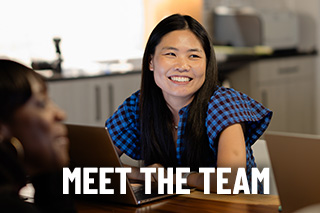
{"x":33,"y":141}
{"x":179,"y":65}
{"x":181,"y":117}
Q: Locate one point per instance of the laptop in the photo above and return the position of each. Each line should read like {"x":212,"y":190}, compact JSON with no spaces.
{"x":93,"y":147}
{"x":295,"y":160}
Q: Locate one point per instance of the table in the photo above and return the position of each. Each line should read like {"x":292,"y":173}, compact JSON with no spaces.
{"x":194,"y":202}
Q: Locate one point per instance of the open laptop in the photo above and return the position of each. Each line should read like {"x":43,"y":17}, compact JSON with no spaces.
{"x":295,"y":160}
{"x":93,"y":147}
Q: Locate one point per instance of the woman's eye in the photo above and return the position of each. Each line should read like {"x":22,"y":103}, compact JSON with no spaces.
{"x":170,"y":54}
{"x":41,"y":103}
{"x":194,"y":56}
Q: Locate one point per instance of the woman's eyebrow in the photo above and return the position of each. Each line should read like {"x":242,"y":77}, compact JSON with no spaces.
{"x":195,"y":50}
{"x":176,"y":49}
{"x":170,"y":48}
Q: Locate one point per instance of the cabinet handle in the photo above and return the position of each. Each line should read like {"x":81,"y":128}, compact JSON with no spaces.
{"x":111,"y":99}
{"x":98,"y":102}
{"x":288,"y":70}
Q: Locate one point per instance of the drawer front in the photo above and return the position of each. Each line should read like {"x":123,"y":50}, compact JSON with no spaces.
{"x":284,"y":69}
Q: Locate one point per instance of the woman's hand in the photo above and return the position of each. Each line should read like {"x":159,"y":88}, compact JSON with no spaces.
{"x":156,"y":174}
{"x":137,"y":175}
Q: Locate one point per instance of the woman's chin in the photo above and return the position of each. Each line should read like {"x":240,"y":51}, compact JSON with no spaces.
{"x":62,"y":152}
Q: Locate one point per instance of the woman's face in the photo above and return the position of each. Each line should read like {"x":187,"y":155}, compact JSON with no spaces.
{"x":179,"y":65}
{"x":37,"y":124}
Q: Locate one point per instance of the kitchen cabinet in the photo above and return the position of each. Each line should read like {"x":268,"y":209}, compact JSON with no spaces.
{"x":286,"y":86}
{"x":90,"y":101}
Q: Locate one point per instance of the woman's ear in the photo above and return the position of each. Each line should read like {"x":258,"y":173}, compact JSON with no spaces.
{"x":151,"y":64}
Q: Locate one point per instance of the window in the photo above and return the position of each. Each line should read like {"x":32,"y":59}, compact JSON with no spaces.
{"x":90,"y":30}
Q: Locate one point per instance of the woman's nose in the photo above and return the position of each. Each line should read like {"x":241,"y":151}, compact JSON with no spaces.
{"x":182,"y":65}
{"x":60,"y":114}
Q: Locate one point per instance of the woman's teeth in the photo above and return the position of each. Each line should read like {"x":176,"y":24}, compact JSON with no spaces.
{"x":180,"y":79}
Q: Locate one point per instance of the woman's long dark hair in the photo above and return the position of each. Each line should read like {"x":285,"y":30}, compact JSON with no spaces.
{"x":15,"y":87}
{"x":156,"y":118}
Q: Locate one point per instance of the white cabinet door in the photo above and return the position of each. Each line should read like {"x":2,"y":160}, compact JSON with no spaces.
{"x":274,"y":99}
{"x":109,"y":94}
{"x":90,"y":101}
{"x":122,"y":87}
{"x":287,"y":87}
{"x":76,"y":98}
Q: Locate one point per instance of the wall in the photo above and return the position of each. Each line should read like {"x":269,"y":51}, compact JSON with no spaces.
{"x":155,"y":10}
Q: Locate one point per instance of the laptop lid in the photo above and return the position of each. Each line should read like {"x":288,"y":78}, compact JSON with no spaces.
{"x":295,"y":160}
{"x":93,"y":147}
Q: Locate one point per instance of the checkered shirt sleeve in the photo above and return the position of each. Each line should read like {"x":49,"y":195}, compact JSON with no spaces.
{"x":123,"y":127}
{"x":227,"y":107}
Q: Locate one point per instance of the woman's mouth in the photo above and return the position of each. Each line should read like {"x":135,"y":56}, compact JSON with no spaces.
{"x":62,"y":140}
{"x":181,"y":79}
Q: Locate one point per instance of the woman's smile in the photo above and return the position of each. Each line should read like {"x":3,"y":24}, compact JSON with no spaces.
{"x":180,"y":79}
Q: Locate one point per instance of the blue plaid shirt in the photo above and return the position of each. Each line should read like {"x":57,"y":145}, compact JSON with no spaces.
{"x":226,"y":107}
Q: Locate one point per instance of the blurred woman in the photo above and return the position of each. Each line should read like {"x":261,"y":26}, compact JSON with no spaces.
{"x":33,"y":142}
